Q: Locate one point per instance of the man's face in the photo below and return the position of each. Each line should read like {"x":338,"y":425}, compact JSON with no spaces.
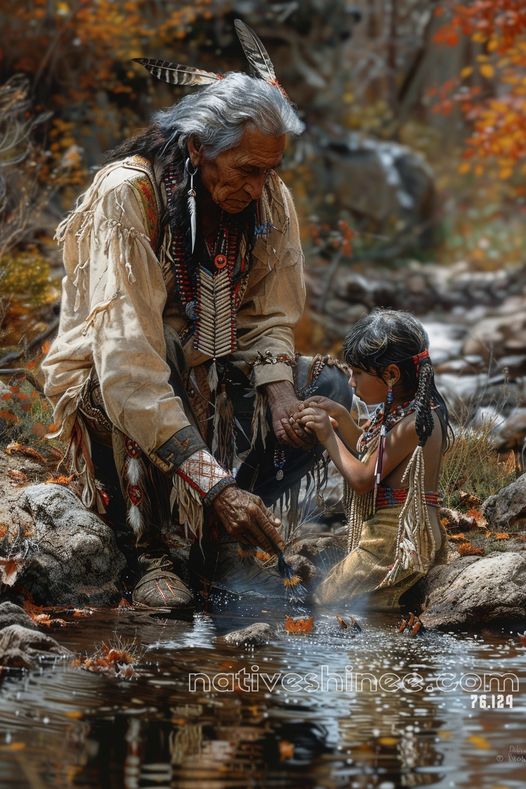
{"x":237,"y":176}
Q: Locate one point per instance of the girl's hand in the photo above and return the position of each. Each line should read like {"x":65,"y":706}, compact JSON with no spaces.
{"x":316,"y":420}
{"x":336,"y":411}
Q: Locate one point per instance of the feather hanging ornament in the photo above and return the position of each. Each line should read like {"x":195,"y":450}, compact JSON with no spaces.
{"x":177,"y":73}
{"x":255,"y":52}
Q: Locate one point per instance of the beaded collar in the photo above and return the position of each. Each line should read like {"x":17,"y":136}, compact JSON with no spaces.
{"x":209,"y":285}
{"x":373,"y":427}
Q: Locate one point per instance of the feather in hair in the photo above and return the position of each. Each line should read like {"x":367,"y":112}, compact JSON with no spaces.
{"x":255,"y":52}
{"x":177,"y":74}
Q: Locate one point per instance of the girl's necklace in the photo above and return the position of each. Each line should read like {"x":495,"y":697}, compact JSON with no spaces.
{"x":395,"y":415}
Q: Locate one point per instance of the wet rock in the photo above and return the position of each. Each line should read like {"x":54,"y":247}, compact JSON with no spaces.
{"x":323,"y":551}
{"x":256,"y":635}
{"x":500,"y":335}
{"x":511,"y":433}
{"x":462,"y":366}
{"x":302,"y":567}
{"x":11,"y":614}
{"x":513,"y":365}
{"x":76,"y":561}
{"x":20,"y":647}
{"x":508,"y":507}
{"x":474,"y":591}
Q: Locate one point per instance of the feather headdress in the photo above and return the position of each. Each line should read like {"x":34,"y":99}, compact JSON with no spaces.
{"x":178,"y":74}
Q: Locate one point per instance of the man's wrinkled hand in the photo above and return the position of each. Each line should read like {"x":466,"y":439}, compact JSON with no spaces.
{"x":283,"y":402}
{"x":246,"y":519}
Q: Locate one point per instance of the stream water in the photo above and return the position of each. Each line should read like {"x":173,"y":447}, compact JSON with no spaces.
{"x":334,"y":708}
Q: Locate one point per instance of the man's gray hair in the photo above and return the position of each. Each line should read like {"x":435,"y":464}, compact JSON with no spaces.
{"x":218,"y":113}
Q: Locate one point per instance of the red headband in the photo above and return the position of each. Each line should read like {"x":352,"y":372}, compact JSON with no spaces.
{"x":420,"y":357}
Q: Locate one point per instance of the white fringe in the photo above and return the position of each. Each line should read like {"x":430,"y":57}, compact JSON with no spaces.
{"x":415,"y":532}
{"x":189,"y":506}
{"x":259,"y":418}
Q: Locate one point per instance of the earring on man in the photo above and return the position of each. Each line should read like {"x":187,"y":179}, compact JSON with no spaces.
{"x":192,"y":208}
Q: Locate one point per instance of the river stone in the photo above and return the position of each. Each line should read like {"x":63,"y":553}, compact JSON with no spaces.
{"x":302,"y":567}
{"x":256,"y":635}
{"x":508,"y":507}
{"x":11,"y":614}
{"x":322,"y":551}
{"x":20,"y":647}
{"x":474,"y":591}
{"x":77,"y":561}
{"x":511,"y":433}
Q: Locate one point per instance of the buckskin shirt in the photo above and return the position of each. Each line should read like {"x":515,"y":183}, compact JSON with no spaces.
{"x":118,"y":294}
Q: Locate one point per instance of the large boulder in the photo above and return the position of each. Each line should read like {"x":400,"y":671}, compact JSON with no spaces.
{"x":76,"y":561}
{"x":508,"y":507}
{"x":474,"y":591}
{"x":404,"y":196}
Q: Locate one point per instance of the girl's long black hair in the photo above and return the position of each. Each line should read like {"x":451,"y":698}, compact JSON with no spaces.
{"x":387,"y":337}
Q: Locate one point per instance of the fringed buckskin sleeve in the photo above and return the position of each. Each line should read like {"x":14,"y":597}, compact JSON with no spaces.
{"x":112,"y":319}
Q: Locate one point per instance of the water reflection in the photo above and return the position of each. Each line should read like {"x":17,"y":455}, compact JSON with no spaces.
{"x":60,"y":726}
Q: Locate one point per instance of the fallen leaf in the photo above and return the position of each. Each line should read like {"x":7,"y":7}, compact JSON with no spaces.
{"x":9,"y":569}
{"x":14,"y":448}
{"x":18,"y":476}
{"x":60,"y":479}
{"x":457,"y":537}
{"x":48,"y":621}
{"x":502,"y":535}
{"x":295,"y":624}
{"x":341,"y":621}
{"x":286,"y":750}
{"x":468,"y":549}
{"x":479,"y":742}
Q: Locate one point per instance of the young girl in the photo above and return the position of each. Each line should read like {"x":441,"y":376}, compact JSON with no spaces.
{"x":391,"y":467}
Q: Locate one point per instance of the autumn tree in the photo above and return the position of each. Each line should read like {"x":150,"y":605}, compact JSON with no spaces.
{"x":490,"y":92}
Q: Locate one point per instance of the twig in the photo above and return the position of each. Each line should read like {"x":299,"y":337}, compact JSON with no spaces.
{"x":14,"y":355}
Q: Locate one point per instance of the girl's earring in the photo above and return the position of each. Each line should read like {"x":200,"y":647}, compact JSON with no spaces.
{"x":389,"y":393}
{"x":192,"y":209}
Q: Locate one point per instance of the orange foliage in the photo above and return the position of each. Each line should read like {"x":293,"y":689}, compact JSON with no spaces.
{"x":294,"y":624}
{"x":495,"y":112}
{"x":468,"y":549}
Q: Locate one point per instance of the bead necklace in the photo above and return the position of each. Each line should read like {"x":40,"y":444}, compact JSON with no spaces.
{"x":373,"y":428}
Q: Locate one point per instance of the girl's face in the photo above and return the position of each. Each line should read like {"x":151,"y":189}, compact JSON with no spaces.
{"x":368,"y":387}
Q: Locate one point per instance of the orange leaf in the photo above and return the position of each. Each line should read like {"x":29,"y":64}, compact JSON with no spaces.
{"x":7,"y":416}
{"x":502,"y":535}
{"x":9,"y":570}
{"x":294,"y":624}
{"x":17,"y":476}
{"x":14,"y":448}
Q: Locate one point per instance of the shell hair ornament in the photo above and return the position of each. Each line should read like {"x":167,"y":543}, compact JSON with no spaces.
{"x":189,"y":76}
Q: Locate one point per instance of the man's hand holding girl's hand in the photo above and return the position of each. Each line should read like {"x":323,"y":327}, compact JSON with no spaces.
{"x":316,"y":419}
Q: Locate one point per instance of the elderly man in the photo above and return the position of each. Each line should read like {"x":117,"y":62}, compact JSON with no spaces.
{"x":184,"y":280}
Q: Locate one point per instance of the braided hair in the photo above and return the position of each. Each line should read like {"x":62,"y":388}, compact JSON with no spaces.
{"x":387,"y":337}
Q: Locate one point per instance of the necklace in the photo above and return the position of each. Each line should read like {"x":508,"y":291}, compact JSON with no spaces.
{"x":395,"y":415}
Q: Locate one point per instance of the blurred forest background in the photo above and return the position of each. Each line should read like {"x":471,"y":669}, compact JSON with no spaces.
{"x":409,"y":179}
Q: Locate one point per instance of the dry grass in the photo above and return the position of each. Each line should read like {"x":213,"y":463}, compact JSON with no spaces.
{"x":473,"y":466}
